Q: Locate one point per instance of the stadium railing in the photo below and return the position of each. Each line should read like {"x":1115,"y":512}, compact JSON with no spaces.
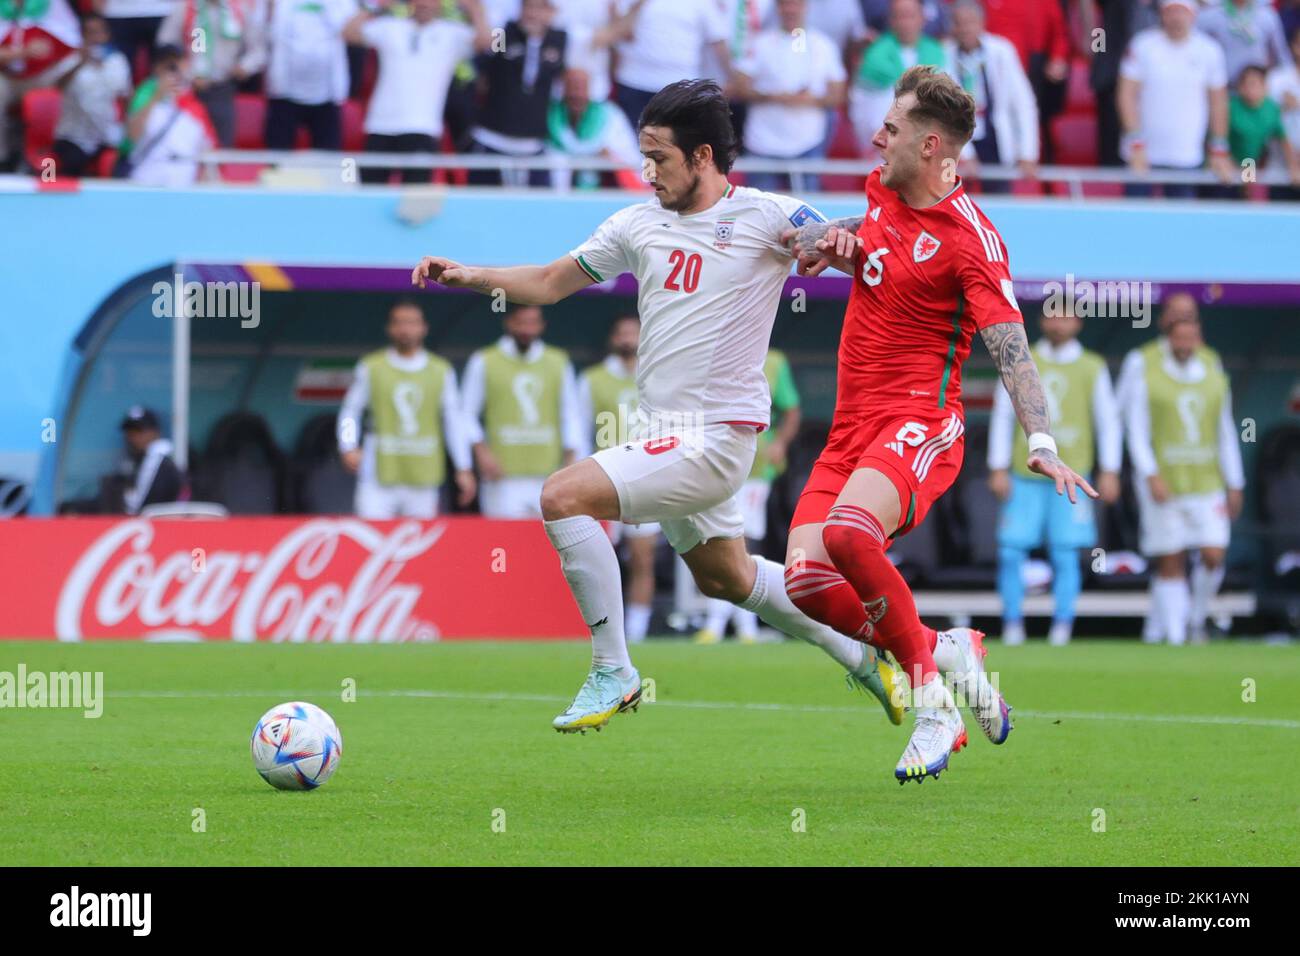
{"x":1075,"y":177}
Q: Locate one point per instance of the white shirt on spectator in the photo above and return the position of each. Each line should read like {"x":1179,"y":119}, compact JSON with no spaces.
{"x":667,"y":43}
{"x":1014,"y":117}
{"x":788,"y":63}
{"x":1281,"y":81}
{"x":416,"y":64}
{"x":168,"y":155}
{"x":580,"y":19}
{"x":1173,"y":103}
{"x":839,"y":20}
{"x":500,"y":12}
{"x":308,"y":60}
{"x":741,"y":21}
{"x":88,"y":117}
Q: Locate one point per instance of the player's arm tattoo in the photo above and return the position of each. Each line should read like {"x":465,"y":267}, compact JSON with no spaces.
{"x":810,"y":233}
{"x":1009,"y":347}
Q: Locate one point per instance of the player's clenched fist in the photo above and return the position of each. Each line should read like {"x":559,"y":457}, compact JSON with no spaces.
{"x":438,"y":269}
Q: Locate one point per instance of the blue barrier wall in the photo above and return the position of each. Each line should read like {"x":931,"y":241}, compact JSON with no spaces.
{"x":63,"y":255}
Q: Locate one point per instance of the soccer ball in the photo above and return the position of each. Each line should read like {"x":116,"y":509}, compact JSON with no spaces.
{"x":296,"y":746}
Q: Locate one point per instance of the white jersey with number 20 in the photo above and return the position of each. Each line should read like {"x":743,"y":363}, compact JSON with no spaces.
{"x":708,"y":289}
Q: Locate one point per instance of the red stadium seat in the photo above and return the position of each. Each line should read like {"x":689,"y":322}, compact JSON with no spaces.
{"x":1079,"y":97}
{"x":40,"y":111}
{"x":354,"y":134}
{"x":250,"y":121}
{"x":1074,"y":137}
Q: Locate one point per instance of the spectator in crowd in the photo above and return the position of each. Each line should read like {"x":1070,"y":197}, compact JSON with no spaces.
{"x":418,"y":55}
{"x":902,"y":46}
{"x":92,"y":90}
{"x":518,"y":77}
{"x":39,"y":40}
{"x":167,"y":128}
{"x":607,"y":399}
{"x":578,"y":126}
{"x":1006,"y":115}
{"x":153,"y":477}
{"x":876,"y":15}
{"x":1086,"y":425}
{"x":415,"y":423}
{"x":1040,"y":33}
{"x":665,"y":43}
{"x":223,"y":51}
{"x":1187,"y":469}
{"x":742,"y":21}
{"x":133,"y":28}
{"x":593,"y":27}
{"x":1255,"y":125}
{"x":1172,"y":92}
{"x":306,"y":71}
{"x":1120,"y":21}
{"x":841,"y":21}
{"x":792,"y":79}
{"x":769,"y":462}
{"x":520,"y":401}
{"x":1284,"y":88}
{"x":1249,"y":31}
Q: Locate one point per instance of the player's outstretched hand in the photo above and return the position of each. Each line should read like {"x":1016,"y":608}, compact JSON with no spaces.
{"x":438,"y":269}
{"x":818,"y":247}
{"x":1047,"y":463}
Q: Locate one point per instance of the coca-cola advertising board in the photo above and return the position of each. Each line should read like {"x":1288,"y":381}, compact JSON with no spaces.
{"x":335,"y":579}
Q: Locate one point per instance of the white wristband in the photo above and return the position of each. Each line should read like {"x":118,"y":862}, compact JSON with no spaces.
{"x":1041,"y":441}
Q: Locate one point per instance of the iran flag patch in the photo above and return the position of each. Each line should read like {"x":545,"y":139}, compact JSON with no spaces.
{"x":925,"y":247}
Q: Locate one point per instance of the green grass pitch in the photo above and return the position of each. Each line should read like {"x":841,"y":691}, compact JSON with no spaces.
{"x":749,"y":755}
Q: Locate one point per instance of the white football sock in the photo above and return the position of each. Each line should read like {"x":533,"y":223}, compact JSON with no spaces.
{"x":591,"y":568}
{"x":1172,"y":602}
{"x":1205,"y":584}
{"x":720,"y":612}
{"x":1060,"y":632}
{"x":638,"y":622}
{"x":770,"y":602}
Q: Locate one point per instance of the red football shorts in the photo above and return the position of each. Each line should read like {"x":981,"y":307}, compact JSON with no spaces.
{"x":921,"y":453}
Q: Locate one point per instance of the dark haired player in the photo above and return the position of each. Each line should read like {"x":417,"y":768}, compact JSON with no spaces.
{"x":929,"y":271}
{"x":710,"y":265}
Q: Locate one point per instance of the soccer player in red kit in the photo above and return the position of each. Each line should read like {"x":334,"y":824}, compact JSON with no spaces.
{"x":929,"y":272}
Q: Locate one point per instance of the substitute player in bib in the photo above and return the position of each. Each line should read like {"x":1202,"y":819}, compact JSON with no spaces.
{"x":929,"y":271}
{"x":415,"y":422}
{"x":710,"y":265}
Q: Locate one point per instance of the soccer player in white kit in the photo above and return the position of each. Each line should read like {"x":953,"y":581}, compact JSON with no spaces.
{"x":710,"y":266}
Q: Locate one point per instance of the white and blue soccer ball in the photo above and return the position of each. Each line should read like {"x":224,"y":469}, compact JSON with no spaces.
{"x":296,"y":746}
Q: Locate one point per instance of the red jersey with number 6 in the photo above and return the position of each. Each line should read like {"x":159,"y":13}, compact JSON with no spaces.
{"x":925,"y":281}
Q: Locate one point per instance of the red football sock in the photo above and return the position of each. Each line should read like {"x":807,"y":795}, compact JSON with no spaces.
{"x":855,"y":541}
{"x":822,"y":593}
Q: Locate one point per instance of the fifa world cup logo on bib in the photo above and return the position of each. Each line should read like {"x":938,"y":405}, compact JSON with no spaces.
{"x":1190,"y":409}
{"x":528,"y":391}
{"x":407,"y":399}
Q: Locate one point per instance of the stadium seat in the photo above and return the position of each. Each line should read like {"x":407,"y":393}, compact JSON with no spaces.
{"x":1074,"y":136}
{"x":242,"y":467}
{"x":1079,"y":97}
{"x":354,"y":133}
{"x":321,"y":484}
{"x":40,"y":112}
{"x":250,"y":121}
